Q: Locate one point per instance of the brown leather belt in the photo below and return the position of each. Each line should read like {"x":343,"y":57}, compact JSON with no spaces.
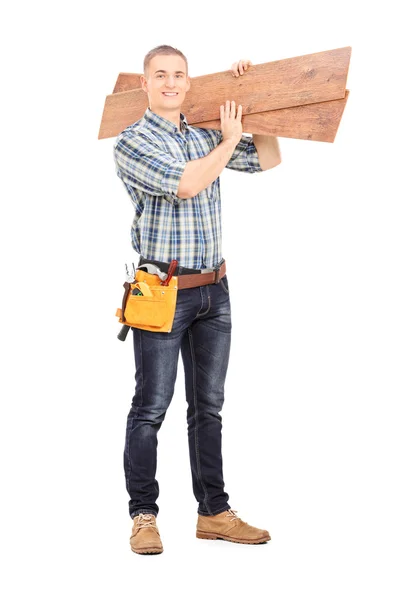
{"x":196,"y":280}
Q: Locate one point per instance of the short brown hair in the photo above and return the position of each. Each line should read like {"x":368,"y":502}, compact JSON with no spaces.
{"x":166,"y":50}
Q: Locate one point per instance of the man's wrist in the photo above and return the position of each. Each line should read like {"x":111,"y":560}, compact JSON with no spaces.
{"x":230,"y":143}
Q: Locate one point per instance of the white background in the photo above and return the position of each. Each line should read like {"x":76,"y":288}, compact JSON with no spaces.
{"x":310,"y":435}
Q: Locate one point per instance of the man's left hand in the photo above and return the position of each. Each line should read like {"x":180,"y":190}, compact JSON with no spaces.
{"x":239,"y":68}
{"x":267,"y":146}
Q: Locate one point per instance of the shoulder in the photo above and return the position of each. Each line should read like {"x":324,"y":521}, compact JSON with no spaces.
{"x":136,"y":134}
{"x":211,"y":136}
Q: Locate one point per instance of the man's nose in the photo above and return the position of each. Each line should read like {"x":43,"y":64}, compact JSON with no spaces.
{"x":170,"y":82}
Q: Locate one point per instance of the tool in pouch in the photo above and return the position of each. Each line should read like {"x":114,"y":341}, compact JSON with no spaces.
{"x":149,"y":300}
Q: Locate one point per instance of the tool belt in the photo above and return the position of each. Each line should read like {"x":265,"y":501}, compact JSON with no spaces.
{"x":149,"y":302}
{"x":154,"y":308}
{"x":189,"y":278}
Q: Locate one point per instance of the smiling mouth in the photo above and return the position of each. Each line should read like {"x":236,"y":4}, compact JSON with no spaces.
{"x":171,"y":94}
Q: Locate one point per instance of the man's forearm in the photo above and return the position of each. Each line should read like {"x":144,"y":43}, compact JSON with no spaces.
{"x":268,"y":150}
{"x":201,"y":172}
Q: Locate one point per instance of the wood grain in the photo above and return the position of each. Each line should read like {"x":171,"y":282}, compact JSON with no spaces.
{"x":126,"y":82}
{"x":303,"y":80}
{"x":317,"y":122}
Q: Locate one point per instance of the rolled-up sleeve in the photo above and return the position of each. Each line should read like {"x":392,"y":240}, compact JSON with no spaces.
{"x":245,"y":156}
{"x":143,"y":165}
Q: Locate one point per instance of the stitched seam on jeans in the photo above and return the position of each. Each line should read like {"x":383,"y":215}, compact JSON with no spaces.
{"x":196,"y":440}
{"x":128,"y":474}
{"x":201,"y":294}
{"x":141,"y":367}
{"x":224,"y":286}
{"x":209,"y":305}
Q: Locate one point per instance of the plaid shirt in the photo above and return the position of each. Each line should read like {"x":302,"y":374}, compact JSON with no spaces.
{"x":150,"y":156}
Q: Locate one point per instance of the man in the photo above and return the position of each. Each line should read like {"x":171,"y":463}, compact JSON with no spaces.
{"x":171,"y":172}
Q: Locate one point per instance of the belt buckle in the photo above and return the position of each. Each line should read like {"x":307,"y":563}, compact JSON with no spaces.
{"x":217,"y":270}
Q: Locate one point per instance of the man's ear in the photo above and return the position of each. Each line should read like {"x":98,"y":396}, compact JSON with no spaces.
{"x":143,"y":83}
{"x":187,"y":83}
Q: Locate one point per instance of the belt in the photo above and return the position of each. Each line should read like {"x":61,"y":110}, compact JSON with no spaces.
{"x":190,"y":278}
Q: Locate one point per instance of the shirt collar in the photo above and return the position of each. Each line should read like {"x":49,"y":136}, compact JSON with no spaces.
{"x":161,"y":123}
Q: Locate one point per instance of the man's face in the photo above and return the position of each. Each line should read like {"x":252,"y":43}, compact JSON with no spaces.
{"x":166,"y":83}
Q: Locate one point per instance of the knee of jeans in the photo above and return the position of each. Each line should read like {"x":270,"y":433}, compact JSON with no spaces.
{"x":151,"y":416}
{"x":211,"y":403}
{"x":210,"y":392}
{"x":155,"y":416}
{"x":152,"y":407}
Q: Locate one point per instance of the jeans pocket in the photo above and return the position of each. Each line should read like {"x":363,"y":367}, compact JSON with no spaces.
{"x":224,"y":284}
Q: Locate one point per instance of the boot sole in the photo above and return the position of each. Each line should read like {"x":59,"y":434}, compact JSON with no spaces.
{"x":148,"y":550}
{"x":202,"y":535}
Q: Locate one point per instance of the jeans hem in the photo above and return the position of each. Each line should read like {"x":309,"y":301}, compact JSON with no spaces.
{"x":144,"y":512}
{"x":219,"y":511}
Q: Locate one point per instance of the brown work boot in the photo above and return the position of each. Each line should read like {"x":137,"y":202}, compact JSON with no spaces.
{"x":228,"y":526}
{"x":145,"y":538}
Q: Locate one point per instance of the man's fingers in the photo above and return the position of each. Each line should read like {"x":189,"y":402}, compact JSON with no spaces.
{"x":243,"y":65}
{"x":234,"y":70}
{"x":238,"y":68}
{"x":229,"y":111}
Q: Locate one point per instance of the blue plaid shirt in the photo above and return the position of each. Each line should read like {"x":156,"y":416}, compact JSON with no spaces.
{"x":150,"y":156}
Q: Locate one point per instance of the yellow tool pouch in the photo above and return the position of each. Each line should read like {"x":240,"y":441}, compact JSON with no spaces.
{"x":155,"y":309}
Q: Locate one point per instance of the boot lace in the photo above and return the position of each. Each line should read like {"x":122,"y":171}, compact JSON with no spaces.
{"x":232,"y":514}
{"x":146,"y":520}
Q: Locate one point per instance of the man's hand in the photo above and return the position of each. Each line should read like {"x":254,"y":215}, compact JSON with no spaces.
{"x":231,"y":121}
{"x":238,"y":68}
{"x":267,"y":146}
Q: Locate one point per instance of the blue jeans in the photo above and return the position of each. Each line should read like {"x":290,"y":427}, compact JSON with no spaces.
{"x":202,"y":332}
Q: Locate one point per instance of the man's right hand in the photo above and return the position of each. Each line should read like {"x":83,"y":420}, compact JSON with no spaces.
{"x":201,"y":172}
{"x":231,"y":121}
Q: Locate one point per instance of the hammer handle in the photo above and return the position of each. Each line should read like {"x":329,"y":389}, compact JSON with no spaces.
{"x":171,"y":270}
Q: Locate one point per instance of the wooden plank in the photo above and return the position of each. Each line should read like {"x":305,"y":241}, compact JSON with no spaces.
{"x":126,"y":82}
{"x":318,"y":122}
{"x":307,"y":79}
